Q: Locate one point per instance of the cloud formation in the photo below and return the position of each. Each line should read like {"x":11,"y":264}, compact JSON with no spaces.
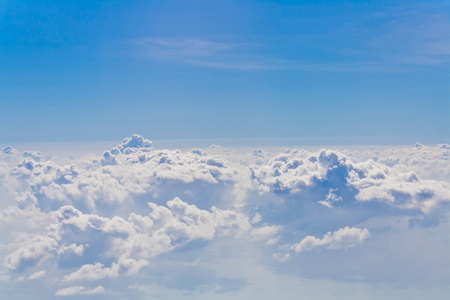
{"x":343,"y":238}
{"x":335,"y":180}
{"x":137,"y":211}
{"x":79,"y":290}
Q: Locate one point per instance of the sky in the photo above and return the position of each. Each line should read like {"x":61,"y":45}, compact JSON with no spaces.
{"x":224,"y":150}
{"x":363,"y":71}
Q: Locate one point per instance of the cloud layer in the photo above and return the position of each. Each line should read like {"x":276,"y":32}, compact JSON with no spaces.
{"x":137,"y":211}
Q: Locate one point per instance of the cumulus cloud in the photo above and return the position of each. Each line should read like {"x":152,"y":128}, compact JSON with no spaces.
{"x":8,"y":150}
{"x":30,"y":253}
{"x":79,"y":290}
{"x":93,"y":272}
{"x":265,"y":232}
{"x":130,"y":243}
{"x":133,"y":144}
{"x":35,"y":155}
{"x":126,"y":176}
{"x":135,"y":209}
{"x":335,"y":180}
{"x":428,"y":162}
{"x":36,"y":275}
{"x":343,"y":238}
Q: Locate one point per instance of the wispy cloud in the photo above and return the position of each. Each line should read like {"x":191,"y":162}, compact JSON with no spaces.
{"x":414,"y":36}
{"x":235,"y":56}
{"x":232,"y":56}
{"x":182,"y":48}
{"x":398,"y":39}
{"x":206,"y":53}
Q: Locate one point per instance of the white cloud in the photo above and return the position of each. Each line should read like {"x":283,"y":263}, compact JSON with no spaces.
{"x":30,"y":253}
{"x":343,"y":182}
{"x":136,"y":209}
{"x":132,"y":170}
{"x":265,"y":232}
{"x":343,"y":238}
{"x":8,"y":150}
{"x":128,"y":242}
{"x":73,"y":249}
{"x":93,"y":272}
{"x":133,"y":144}
{"x":35,"y":155}
{"x":330,"y":199}
{"x":428,"y":162}
{"x":36,"y":275}
{"x":79,"y":290}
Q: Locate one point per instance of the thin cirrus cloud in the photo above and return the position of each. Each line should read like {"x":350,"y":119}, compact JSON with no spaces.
{"x":414,"y":37}
{"x":207,"y":53}
{"x":404,"y":37}
{"x":246,"y":57}
{"x":230,"y":56}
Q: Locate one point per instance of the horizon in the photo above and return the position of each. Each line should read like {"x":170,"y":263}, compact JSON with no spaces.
{"x":238,"y":149}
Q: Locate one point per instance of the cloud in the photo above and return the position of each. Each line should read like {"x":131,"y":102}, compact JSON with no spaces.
{"x":132,"y":169}
{"x":8,"y":150}
{"x":30,"y":253}
{"x":335,"y":180}
{"x":35,"y":155}
{"x":36,"y":275}
{"x":79,"y":290}
{"x":411,"y":36}
{"x":426,"y":161}
{"x":185,"y":47}
{"x":208,"y":53}
{"x":93,"y":272}
{"x":420,"y":34}
{"x":137,"y":213}
{"x":343,"y":238}
{"x":128,"y":243}
{"x":265,"y":232}
{"x":133,"y":144}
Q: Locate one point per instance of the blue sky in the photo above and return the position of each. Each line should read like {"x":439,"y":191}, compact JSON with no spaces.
{"x":102,"y":70}
{"x":83,"y":215}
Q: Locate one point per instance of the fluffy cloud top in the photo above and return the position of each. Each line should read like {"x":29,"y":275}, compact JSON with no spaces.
{"x":36,"y":275}
{"x":79,"y":290}
{"x":343,"y":238}
{"x":135,"y":208}
{"x":129,"y":243}
{"x":131,"y":169}
{"x":334,"y":180}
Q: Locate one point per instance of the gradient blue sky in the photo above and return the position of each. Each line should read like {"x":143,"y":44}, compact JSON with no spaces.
{"x":102,"y":70}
